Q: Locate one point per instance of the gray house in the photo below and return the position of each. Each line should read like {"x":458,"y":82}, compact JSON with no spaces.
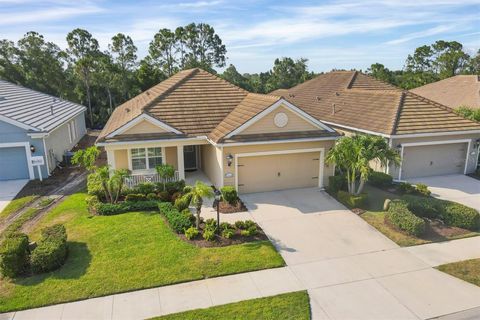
{"x":36,"y":130}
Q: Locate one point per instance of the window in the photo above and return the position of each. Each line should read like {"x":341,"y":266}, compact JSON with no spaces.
{"x":146,"y":158}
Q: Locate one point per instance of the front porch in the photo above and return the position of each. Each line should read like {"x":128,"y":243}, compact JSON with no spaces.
{"x":142,"y":160}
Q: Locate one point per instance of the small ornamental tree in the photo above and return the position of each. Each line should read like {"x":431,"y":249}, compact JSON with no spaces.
{"x":165,"y":171}
{"x":353,"y":155}
{"x":86,"y":158}
{"x":112,"y":182}
{"x":196,"y":193}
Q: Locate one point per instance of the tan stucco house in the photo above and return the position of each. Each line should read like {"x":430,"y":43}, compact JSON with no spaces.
{"x":198,"y":121}
{"x":430,"y":137}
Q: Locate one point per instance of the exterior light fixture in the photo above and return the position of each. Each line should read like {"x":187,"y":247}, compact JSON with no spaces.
{"x":32,"y":149}
{"x":229,"y":159}
{"x":399,"y":146}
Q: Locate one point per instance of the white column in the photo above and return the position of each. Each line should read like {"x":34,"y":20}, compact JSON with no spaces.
{"x":111,"y":159}
{"x":180,"y":162}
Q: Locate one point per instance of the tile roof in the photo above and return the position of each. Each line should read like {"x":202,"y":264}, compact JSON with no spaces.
{"x":38,"y":111}
{"x":192,"y":101}
{"x":352,"y":99}
{"x":281,"y":136}
{"x":461,"y":90}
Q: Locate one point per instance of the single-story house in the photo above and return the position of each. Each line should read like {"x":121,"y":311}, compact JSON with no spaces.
{"x":197,"y":121}
{"x":430,"y":137}
{"x":255,"y":142}
{"x":454,"y":92}
{"x":36,"y":129}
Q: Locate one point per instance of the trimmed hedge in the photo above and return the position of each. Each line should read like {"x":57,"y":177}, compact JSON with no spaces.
{"x":182,"y":203}
{"x":424,"y":207}
{"x":380,"y":179}
{"x":109,"y":209}
{"x":14,"y":255}
{"x":458,"y":215}
{"x":144,"y":188}
{"x":179,"y":221}
{"x":136,"y":197}
{"x":399,"y":215}
{"x":51,"y":251}
{"x":352,"y":201}
{"x":229,"y":194}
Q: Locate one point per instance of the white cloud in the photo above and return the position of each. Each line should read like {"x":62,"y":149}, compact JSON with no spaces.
{"x":423,"y":34}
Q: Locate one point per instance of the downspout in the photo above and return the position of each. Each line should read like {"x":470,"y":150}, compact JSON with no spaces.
{"x":45,"y":152}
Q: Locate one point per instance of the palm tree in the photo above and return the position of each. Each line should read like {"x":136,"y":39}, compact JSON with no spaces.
{"x":196,"y":193}
{"x":112,"y":182}
{"x":354,"y":154}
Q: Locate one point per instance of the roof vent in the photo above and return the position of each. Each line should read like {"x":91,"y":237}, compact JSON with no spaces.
{"x":291,"y":95}
{"x":2,"y":98}
{"x":319,"y":98}
{"x":53,"y":103}
{"x":127,"y":109}
{"x":148,"y":93}
{"x":333,"y":108}
{"x":337,"y":93}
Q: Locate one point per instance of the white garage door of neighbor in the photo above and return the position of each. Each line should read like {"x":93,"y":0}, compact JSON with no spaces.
{"x":432,"y":160}
{"x":278,"y":172}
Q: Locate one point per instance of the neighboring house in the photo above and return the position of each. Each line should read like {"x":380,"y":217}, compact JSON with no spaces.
{"x":454,"y":92}
{"x":34,"y":125}
{"x":430,"y":137}
{"x":197,"y":121}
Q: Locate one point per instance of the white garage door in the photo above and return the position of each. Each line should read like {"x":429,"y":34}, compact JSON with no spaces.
{"x":432,"y":160}
{"x":278,"y":172}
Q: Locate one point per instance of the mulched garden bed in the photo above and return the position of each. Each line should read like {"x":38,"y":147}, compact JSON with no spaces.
{"x":226,"y":207}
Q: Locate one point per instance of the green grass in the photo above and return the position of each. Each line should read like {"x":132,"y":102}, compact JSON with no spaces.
{"x":468,"y":270}
{"x":16,"y":205}
{"x":125,"y":252}
{"x":285,"y":306}
{"x":18,"y":223}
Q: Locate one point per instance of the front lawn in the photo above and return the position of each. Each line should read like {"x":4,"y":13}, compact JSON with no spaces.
{"x":285,"y":306}
{"x":15,"y":205}
{"x":468,"y":270}
{"x":110,"y":254}
{"x":434,"y":232}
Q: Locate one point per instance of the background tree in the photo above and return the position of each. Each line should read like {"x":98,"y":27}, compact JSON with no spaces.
{"x":124,"y":54}
{"x":10,"y":67}
{"x":83,"y":50}
{"x":162,"y":51}
{"x":233,"y":76}
{"x":287,"y":73}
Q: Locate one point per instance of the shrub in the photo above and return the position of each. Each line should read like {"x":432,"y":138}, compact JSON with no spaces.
{"x":423,"y":189}
{"x":229,"y":194}
{"x":211,"y":223}
{"x":399,"y":215}
{"x":51,"y":251}
{"x":153,"y":196}
{"x":337,"y":183}
{"x":423,"y":207}
{"x":191,"y":233}
{"x":457,"y":215}
{"x":14,"y":254}
{"x":135,"y":197}
{"x":145,"y":188}
{"x":175,"y":196}
{"x":240,"y":225}
{"x":209,"y":235}
{"x":179,"y":221}
{"x":227,"y":233}
{"x":163,"y":196}
{"x":250,"y":231}
{"x":92,"y":203}
{"x":182,"y":203}
{"x":406,"y":188}
{"x":380,"y":179}
{"x":109,"y":209}
{"x":352,"y":201}
{"x":176,"y":186}
{"x":94,"y":185}
{"x":226,"y":225}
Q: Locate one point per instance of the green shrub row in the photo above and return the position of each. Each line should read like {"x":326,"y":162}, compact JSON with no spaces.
{"x":109,"y":209}
{"x":14,"y":255}
{"x":352,"y":201}
{"x":180,"y":221}
{"x":337,"y":183}
{"x":400,"y":216}
{"x":419,"y":189}
{"x":380,"y":179}
{"x":51,"y":251}
{"x":183,"y":202}
{"x":229,"y":194}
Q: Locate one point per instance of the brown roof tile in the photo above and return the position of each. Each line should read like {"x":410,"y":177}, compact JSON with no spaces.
{"x":461,"y":90}
{"x":281,"y":136}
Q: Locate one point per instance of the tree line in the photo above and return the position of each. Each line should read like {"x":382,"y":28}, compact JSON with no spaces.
{"x":102,"y":80}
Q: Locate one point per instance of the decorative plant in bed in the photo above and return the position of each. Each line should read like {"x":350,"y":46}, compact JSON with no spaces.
{"x":230,"y":202}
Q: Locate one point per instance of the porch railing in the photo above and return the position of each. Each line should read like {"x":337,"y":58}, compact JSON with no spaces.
{"x":133,"y":180}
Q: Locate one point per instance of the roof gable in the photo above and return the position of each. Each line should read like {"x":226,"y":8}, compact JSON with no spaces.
{"x":144,"y":123}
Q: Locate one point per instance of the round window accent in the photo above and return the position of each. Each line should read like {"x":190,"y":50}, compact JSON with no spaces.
{"x":280,"y":119}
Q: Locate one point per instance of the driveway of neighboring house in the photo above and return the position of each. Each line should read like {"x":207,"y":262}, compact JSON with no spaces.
{"x":350,"y":269}
{"x":456,"y":187}
{"x":8,"y":191}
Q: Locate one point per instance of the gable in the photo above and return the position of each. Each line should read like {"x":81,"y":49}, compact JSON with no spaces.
{"x":275,"y":122}
{"x":144,"y":126}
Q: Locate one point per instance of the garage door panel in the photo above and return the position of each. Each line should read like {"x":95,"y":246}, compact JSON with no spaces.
{"x":278,"y":172}
{"x":431,"y":160}
{"x":13,"y":163}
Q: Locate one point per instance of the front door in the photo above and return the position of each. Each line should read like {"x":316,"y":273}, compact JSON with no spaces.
{"x":190,"y":157}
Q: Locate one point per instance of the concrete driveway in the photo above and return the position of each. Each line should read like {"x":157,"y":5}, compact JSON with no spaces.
{"x":8,"y":191}
{"x":456,"y":187}
{"x":351,"y":270}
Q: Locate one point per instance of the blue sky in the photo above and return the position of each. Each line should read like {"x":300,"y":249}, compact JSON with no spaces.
{"x":331,"y":34}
